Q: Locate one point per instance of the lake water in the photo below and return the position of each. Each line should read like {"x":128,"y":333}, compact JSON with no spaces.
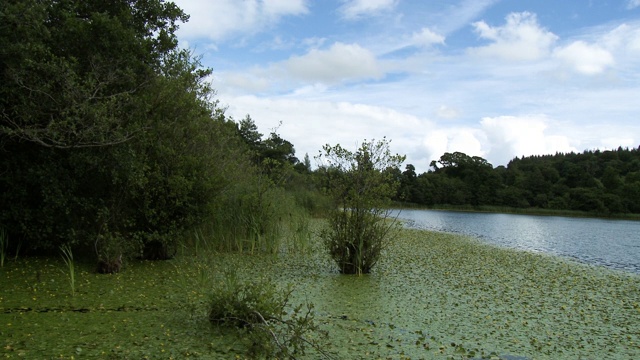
{"x":611,"y":243}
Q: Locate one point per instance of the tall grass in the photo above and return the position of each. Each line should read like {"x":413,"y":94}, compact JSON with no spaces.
{"x":265,"y":221}
{"x":67,"y":256}
{"x":4,"y":245}
{"x":299,"y":233}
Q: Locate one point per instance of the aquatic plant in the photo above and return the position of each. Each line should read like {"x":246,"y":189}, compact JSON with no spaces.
{"x":4,"y":245}
{"x":67,"y":256}
{"x":356,"y":239}
{"x":361,"y":184}
{"x":258,"y":309}
{"x":431,"y":296}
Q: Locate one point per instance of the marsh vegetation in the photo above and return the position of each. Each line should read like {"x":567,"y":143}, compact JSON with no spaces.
{"x":138,"y":220}
{"x":432,"y":295}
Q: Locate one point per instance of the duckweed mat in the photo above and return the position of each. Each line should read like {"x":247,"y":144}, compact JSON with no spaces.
{"x":432,"y":296}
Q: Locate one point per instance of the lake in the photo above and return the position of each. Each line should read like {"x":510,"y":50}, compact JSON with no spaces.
{"x":611,"y":243}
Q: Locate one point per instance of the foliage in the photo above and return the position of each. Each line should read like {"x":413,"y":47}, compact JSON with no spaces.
{"x":434,"y":290}
{"x":258,"y":308}
{"x":253,"y":217}
{"x":360,"y":183}
{"x":61,"y":94}
{"x":269,"y":152}
{"x":67,"y":256}
{"x":113,"y":138}
{"x":597,"y":182}
{"x":4,"y":246}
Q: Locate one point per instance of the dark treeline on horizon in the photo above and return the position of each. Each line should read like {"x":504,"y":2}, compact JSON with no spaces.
{"x":594,"y":181}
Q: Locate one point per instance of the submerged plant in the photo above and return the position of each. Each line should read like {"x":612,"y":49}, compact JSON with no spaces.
{"x":67,"y":256}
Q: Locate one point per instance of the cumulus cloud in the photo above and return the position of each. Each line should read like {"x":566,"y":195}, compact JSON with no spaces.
{"x":338,"y":63}
{"x":244,"y":82}
{"x":446,"y":112}
{"x":355,"y":9}
{"x":217,"y":20}
{"x":466,"y":140}
{"x":624,"y":38}
{"x":311,"y":124}
{"x":520,"y":39}
{"x":585,"y":58}
{"x":511,"y":136}
{"x":632,"y":4}
{"x":426,"y":37}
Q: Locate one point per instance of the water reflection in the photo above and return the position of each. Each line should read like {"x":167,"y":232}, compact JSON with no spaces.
{"x":611,"y":243}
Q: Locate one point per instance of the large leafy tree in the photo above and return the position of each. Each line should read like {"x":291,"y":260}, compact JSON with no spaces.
{"x":72,"y":70}
{"x":108,"y":133}
{"x":361,"y":183}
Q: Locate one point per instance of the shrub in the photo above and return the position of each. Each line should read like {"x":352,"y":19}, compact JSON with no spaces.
{"x":259,"y":310}
{"x":361,"y":184}
{"x":355,"y":239}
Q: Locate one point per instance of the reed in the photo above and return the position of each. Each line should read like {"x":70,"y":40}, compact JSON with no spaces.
{"x":67,"y":256}
{"x":4,"y":245}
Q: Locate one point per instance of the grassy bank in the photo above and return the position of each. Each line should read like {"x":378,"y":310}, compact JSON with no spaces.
{"x":432,"y":296}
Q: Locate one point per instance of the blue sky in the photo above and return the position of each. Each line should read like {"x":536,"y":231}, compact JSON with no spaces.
{"x":490,"y":78}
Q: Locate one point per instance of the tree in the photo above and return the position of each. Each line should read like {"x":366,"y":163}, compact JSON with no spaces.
{"x":408,"y":190}
{"x":109,"y":135}
{"x":361,"y":184}
{"x":72,"y":70}
{"x":248,"y":130}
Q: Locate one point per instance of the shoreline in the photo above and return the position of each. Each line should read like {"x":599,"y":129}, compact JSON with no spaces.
{"x":516,"y":211}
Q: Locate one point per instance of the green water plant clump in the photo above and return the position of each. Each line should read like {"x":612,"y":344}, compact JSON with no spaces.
{"x":259,"y":310}
{"x":361,"y":184}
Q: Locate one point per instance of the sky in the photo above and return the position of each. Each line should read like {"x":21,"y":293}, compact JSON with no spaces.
{"x":492,"y":78}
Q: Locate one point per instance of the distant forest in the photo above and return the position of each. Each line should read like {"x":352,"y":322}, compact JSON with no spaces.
{"x":598,"y":182}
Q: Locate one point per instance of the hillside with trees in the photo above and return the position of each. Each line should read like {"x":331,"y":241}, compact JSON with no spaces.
{"x":598,"y":182}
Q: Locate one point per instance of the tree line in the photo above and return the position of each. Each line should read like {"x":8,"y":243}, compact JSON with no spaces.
{"x":111,"y":139}
{"x":598,"y":182}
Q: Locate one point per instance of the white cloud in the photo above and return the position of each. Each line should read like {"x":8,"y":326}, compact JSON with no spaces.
{"x":435,"y":144}
{"x":512,"y":136}
{"x":624,"y":37}
{"x":355,"y":9}
{"x":446,"y":112}
{"x":244,"y":82}
{"x":313,"y":42}
{"x":440,"y":141}
{"x":426,"y":37}
{"x":460,"y":14}
{"x":521,"y":38}
{"x":338,"y":63}
{"x":585,"y":58}
{"x":277,"y":8}
{"x":217,"y":20}
{"x":632,"y":4}
{"x":311,"y":124}
{"x":466,"y":141}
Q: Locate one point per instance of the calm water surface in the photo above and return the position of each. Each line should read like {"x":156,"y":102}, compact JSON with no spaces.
{"x":611,"y":243}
